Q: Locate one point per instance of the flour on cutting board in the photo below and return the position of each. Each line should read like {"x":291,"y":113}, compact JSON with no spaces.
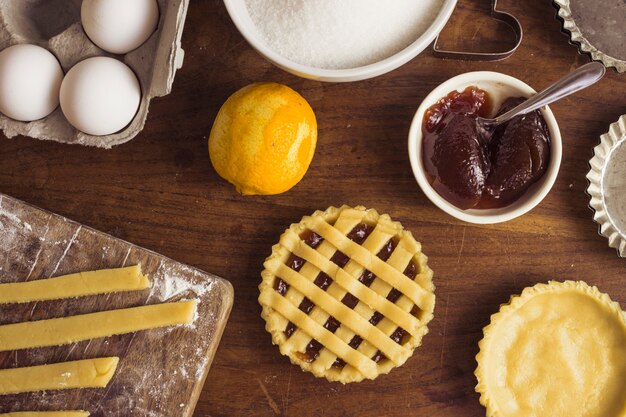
{"x":169,"y":282}
{"x":12,"y":242}
{"x":160,"y":370}
{"x":12,"y":217}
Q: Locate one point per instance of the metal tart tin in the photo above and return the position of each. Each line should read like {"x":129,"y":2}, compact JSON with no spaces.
{"x":607,"y":185}
{"x":597,"y":27}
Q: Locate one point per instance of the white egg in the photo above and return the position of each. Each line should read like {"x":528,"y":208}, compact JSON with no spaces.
{"x":30,"y":78}
{"x":119,"y":26}
{"x":100,"y":95}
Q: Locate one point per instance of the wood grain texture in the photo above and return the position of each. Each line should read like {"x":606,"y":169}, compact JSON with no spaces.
{"x":160,"y":191}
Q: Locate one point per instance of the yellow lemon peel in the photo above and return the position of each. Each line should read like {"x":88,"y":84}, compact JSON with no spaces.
{"x":263,"y":139}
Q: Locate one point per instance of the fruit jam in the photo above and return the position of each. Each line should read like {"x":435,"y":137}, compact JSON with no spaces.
{"x":470,"y":171}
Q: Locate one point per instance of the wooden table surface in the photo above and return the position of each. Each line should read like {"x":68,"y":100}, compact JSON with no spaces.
{"x":160,"y":191}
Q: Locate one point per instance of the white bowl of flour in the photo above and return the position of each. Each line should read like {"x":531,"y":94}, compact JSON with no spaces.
{"x":340,"y":40}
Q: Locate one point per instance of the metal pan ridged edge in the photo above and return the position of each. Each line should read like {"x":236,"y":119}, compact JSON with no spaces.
{"x":602,"y":152}
{"x":577,"y":38}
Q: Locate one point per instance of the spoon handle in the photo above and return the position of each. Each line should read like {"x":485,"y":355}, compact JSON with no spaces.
{"x":575,"y":81}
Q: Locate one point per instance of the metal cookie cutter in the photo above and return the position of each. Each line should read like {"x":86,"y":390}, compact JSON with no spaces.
{"x":507,"y":18}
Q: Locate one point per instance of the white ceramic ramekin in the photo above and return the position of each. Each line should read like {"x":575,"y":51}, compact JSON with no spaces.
{"x":239,"y":14}
{"x":500,"y":87}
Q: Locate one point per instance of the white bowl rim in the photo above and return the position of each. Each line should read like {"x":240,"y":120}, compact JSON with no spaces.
{"x":484,"y":216}
{"x":352,"y":74}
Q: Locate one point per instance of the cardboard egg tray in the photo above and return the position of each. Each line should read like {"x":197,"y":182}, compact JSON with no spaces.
{"x":55,"y":25}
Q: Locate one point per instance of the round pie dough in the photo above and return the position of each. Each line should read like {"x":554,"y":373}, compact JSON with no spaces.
{"x":347,"y":294}
{"x":556,"y":350}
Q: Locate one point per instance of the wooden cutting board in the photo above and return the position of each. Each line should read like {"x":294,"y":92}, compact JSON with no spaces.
{"x":162,"y":371}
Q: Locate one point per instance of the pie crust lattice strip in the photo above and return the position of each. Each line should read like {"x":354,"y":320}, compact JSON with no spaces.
{"x":347,"y":294}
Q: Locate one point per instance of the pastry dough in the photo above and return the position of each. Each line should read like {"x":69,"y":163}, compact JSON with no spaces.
{"x":75,"y":285}
{"x":61,"y":331}
{"x":557,"y":350}
{"x":347,"y":294}
{"x":47,"y":414}
{"x":88,"y":373}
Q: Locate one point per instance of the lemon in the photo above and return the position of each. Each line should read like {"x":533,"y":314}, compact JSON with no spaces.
{"x":263,"y":139}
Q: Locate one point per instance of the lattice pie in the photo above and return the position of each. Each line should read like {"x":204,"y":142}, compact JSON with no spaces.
{"x":347,"y":294}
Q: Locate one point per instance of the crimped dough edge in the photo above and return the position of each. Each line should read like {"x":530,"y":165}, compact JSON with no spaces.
{"x":517,"y":301}
{"x":330,"y":215}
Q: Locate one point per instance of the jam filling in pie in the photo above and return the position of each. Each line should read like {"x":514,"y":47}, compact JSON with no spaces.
{"x":347,"y":294}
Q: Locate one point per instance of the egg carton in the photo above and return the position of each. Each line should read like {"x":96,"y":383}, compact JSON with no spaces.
{"x":55,"y":25}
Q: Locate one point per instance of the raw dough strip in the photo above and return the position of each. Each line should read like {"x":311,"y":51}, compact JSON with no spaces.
{"x":305,"y":291}
{"x":351,"y":284}
{"x":62,"y":331}
{"x":88,"y":373}
{"x":377,"y":266}
{"x":357,"y":324}
{"x":47,"y":414}
{"x":75,"y":285}
{"x":319,"y":333}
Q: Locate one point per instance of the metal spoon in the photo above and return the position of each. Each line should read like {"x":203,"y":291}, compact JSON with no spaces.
{"x":575,"y":81}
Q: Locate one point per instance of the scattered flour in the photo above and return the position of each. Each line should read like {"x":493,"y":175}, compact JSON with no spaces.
{"x":12,"y":217}
{"x":170,"y":283}
{"x":340,"y":34}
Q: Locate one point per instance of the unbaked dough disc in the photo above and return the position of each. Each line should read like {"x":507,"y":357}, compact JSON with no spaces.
{"x":556,"y":350}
